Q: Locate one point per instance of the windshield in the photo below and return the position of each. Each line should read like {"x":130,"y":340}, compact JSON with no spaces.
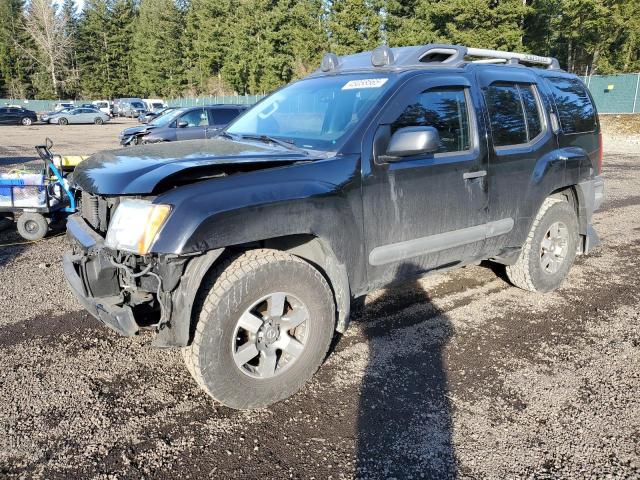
{"x":137,"y":105}
{"x":316,"y":113}
{"x":165,"y":118}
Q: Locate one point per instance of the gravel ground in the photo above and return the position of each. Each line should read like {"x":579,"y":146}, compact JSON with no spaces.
{"x":456,"y":375}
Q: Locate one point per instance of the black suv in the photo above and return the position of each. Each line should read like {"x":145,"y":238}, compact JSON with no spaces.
{"x":186,"y":123}
{"x":17,"y":116}
{"x":248,"y":248}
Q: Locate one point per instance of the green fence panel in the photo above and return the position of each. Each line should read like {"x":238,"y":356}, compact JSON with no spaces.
{"x":214,"y":100}
{"x":35,"y":105}
{"x":614,"y":93}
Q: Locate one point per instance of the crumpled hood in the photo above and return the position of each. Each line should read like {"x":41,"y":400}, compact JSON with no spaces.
{"x":137,"y":129}
{"x":139,"y":170}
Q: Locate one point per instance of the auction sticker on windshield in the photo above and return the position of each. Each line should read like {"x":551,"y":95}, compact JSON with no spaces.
{"x":365,"y":83}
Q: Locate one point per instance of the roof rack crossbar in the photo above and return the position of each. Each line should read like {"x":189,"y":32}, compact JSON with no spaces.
{"x":550,"y":62}
{"x":433,"y":55}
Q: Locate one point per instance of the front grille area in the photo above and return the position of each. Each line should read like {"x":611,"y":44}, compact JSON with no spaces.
{"x":96,"y":210}
{"x":89,"y":209}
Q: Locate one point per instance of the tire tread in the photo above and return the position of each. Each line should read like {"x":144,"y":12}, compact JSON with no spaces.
{"x":519,"y":273}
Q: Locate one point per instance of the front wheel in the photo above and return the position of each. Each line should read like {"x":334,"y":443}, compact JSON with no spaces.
{"x":32,"y":226}
{"x":550,"y":248}
{"x":26,"y":121}
{"x":265,"y":320}
{"x":98,"y":121}
{"x":63,"y":121}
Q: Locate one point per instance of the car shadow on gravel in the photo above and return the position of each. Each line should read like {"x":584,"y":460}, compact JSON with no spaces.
{"x":404,"y":425}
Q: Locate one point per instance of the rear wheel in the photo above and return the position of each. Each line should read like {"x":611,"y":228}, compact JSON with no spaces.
{"x":26,"y":121}
{"x":264,"y":324}
{"x":550,"y":249}
{"x":98,"y":121}
{"x":63,"y":121}
{"x":32,"y":226}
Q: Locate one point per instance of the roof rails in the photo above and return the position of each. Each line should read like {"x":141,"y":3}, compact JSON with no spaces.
{"x":432,"y":55}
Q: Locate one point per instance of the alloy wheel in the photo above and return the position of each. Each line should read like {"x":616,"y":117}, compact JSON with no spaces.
{"x":554,"y":247}
{"x":270,"y":336}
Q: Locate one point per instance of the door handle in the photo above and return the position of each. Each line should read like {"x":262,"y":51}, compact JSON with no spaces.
{"x":478,"y":174}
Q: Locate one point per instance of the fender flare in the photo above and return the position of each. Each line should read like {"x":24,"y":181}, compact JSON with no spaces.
{"x":179,"y":331}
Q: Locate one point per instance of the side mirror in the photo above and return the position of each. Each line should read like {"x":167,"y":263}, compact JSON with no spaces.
{"x":410,"y":141}
{"x":182,"y":124}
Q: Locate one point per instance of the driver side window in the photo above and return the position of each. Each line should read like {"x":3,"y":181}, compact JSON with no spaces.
{"x":195,"y":118}
{"x":444,"y":109}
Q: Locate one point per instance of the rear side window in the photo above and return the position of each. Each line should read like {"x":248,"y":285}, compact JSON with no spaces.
{"x":531,"y":110}
{"x":515,"y":114}
{"x":575,"y":109}
{"x":444,"y":109}
{"x":222,"y":116}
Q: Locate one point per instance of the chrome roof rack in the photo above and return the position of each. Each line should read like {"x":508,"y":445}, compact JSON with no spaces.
{"x":432,"y":55}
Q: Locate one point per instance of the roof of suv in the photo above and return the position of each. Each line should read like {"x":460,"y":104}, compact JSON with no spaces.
{"x":428,"y":56}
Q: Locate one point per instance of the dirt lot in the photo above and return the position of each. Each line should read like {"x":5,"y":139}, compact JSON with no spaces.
{"x":17,"y":142}
{"x":457,"y":375}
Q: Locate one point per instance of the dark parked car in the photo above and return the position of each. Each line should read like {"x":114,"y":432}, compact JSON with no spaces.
{"x":248,"y":248}
{"x":186,"y":123}
{"x":130,"y":107}
{"x":17,"y":116}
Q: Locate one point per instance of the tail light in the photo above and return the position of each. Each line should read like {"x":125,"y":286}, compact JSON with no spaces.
{"x":600,"y":153}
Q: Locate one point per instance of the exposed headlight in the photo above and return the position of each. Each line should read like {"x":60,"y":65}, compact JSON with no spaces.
{"x":135,"y":225}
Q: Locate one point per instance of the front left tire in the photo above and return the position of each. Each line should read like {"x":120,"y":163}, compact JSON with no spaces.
{"x":98,"y":121}
{"x":26,"y":121}
{"x":265,"y":320}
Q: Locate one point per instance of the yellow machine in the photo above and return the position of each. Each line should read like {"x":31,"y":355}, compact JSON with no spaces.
{"x":68,"y":162}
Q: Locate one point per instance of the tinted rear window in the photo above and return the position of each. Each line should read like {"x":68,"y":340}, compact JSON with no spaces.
{"x":534,"y":123}
{"x":575,"y":109}
{"x":507,"y":118}
{"x":222,"y":116}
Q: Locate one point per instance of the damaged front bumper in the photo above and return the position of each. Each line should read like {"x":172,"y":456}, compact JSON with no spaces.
{"x":124,"y":291}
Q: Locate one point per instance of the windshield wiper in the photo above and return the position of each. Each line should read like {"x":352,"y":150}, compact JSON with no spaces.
{"x":288,"y":144}
{"x":224,"y":134}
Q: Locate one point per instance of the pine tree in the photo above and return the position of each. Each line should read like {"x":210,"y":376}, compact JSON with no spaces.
{"x":70,"y":82}
{"x":156,"y":50}
{"x":14,"y":64}
{"x":205,"y":42}
{"x":355,"y":25}
{"x":121,"y":27}
{"x":93,"y":49}
{"x":272,"y":42}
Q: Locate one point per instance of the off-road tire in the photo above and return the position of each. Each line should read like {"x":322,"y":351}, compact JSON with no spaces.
{"x":26,"y":121}
{"x":527,"y":272}
{"x":98,"y":121}
{"x":32,"y":226}
{"x":230,"y":289}
{"x":63,"y":121}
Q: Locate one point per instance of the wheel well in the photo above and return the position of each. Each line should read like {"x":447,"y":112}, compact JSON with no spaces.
{"x":570,"y":195}
{"x":567,"y":194}
{"x":318,"y":253}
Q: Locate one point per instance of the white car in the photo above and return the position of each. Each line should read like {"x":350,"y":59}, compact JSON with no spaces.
{"x":102,"y":105}
{"x":154,"y":104}
{"x":62,"y":106}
